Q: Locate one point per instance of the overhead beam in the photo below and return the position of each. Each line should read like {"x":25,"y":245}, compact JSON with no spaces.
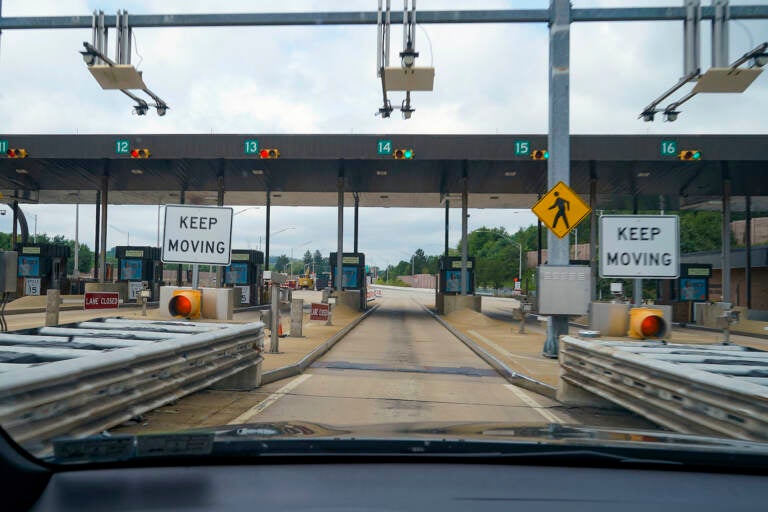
{"x":743,"y":12}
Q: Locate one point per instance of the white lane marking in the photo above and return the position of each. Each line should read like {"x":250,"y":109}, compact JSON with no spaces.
{"x":533,"y":404}
{"x":271,"y":399}
{"x":500,"y":348}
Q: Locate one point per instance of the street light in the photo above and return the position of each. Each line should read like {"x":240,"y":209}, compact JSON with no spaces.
{"x":124,"y":232}
{"x":298,"y":247}
{"x":519,"y":246}
{"x":245,"y":210}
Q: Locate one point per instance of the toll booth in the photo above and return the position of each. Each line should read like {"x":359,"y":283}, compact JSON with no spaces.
{"x":246,"y":273}
{"x":353,"y":274}
{"x":141,"y":268}
{"x":42,"y":267}
{"x":692,"y":287}
{"x":449,"y":282}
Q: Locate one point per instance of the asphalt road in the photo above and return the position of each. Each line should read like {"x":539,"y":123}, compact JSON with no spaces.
{"x":400,"y":365}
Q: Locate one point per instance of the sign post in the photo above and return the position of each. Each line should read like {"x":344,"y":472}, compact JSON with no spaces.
{"x":197,"y":235}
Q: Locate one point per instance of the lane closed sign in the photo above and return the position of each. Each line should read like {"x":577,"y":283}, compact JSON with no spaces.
{"x":639,"y":246}
{"x":197,"y":234}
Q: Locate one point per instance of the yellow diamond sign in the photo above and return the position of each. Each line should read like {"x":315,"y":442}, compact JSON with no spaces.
{"x":561,"y":209}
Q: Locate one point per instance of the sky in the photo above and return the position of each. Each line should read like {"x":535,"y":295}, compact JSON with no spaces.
{"x":303,"y":80}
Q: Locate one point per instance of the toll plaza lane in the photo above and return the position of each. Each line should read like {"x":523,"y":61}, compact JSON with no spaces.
{"x":400,"y":365}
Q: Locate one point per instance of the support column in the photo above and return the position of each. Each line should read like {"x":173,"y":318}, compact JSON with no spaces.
{"x":539,"y":240}
{"x":104,"y":204}
{"x":340,"y":231}
{"x":748,"y":243}
{"x":464,"y":222}
{"x":220,"y":203}
{"x":15,"y":232}
{"x":593,"y":227}
{"x":96,"y":243}
{"x":637,"y":284}
{"x":726,"y":235}
{"x":182,"y":198}
{"x":447,"y":219}
{"x":559,"y":163}
{"x":357,"y":204}
{"x":266,"y":246}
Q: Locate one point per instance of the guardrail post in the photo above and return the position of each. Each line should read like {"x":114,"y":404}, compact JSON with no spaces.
{"x":52,"y":304}
{"x":297,"y":317}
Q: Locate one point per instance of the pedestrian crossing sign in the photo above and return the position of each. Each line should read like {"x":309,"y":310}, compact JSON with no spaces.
{"x":561,"y":209}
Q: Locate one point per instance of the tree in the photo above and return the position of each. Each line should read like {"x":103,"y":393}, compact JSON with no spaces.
{"x":281,"y":263}
{"x":308,"y":258}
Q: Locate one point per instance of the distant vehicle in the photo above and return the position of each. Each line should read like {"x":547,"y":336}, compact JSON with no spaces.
{"x":306,"y":281}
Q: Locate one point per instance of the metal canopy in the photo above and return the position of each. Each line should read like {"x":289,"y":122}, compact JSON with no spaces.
{"x":68,"y":169}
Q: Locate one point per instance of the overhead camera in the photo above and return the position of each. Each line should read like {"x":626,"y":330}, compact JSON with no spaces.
{"x":648,"y":117}
{"x":671,"y":116}
{"x":89,"y":58}
{"x":408,"y":57}
{"x":162,"y":110}
{"x":760,"y":60}
{"x":141,"y":109}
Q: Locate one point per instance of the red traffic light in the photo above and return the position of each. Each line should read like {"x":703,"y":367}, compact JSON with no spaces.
{"x":269,"y":153}
{"x":185,"y":303}
{"x":16,"y":153}
{"x":647,"y":323}
{"x":140,"y":153}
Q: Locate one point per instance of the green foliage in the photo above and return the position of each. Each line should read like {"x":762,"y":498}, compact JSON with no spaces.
{"x":281,"y":263}
{"x":700,"y":231}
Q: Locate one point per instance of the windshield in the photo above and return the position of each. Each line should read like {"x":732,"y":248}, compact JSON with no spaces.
{"x":494,"y":223}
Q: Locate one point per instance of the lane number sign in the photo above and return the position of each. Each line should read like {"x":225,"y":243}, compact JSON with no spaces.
{"x":122,"y":146}
{"x":384,"y":147}
{"x":251,"y":147}
{"x":522,"y":148}
{"x":668,"y":148}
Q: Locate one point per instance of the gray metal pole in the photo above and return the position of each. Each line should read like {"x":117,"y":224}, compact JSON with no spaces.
{"x":464,"y":241}
{"x":15,"y":229}
{"x":96,"y":244}
{"x":266,"y":245}
{"x":274,"y":339}
{"x":76,"y":270}
{"x":720,"y":33}
{"x":357,"y":205}
{"x":726,"y":256}
{"x":220,"y":203}
{"x":593,"y":227}
{"x":340,"y":232}
{"x":748,"y":243}
{"x":447,"y":219}
{"x":182,"y":198}
{"x":104,"y":204}
{"x":558,"y":165}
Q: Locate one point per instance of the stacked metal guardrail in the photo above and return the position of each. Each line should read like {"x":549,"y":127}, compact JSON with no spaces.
{"x":698,"y":389}
{"x":84,"y":378}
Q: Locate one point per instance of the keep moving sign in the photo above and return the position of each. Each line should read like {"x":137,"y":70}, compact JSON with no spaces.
{"x":639,"y":246}
{"x":197,"y":235}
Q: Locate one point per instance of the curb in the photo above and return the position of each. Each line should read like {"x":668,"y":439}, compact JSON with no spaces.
{"x":513,"y":377}
{"x":295,"y":369}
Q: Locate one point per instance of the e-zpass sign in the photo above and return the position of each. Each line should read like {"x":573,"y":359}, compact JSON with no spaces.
{"x":639,"y":246}
{"x":197,"y":234}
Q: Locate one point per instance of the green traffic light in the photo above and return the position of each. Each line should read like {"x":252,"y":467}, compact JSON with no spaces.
{"x":696,"y":155}
{"x":408,"y":154}
{"x":546,"y":155}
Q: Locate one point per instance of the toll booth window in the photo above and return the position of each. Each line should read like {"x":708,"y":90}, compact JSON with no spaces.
{"x":29,"y":266}
{"x":349,"y":277}
{"x":236,"y":273}
{"x":693,"y":289}
{"x":130,"y":270}
{"x":453,"y":281}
